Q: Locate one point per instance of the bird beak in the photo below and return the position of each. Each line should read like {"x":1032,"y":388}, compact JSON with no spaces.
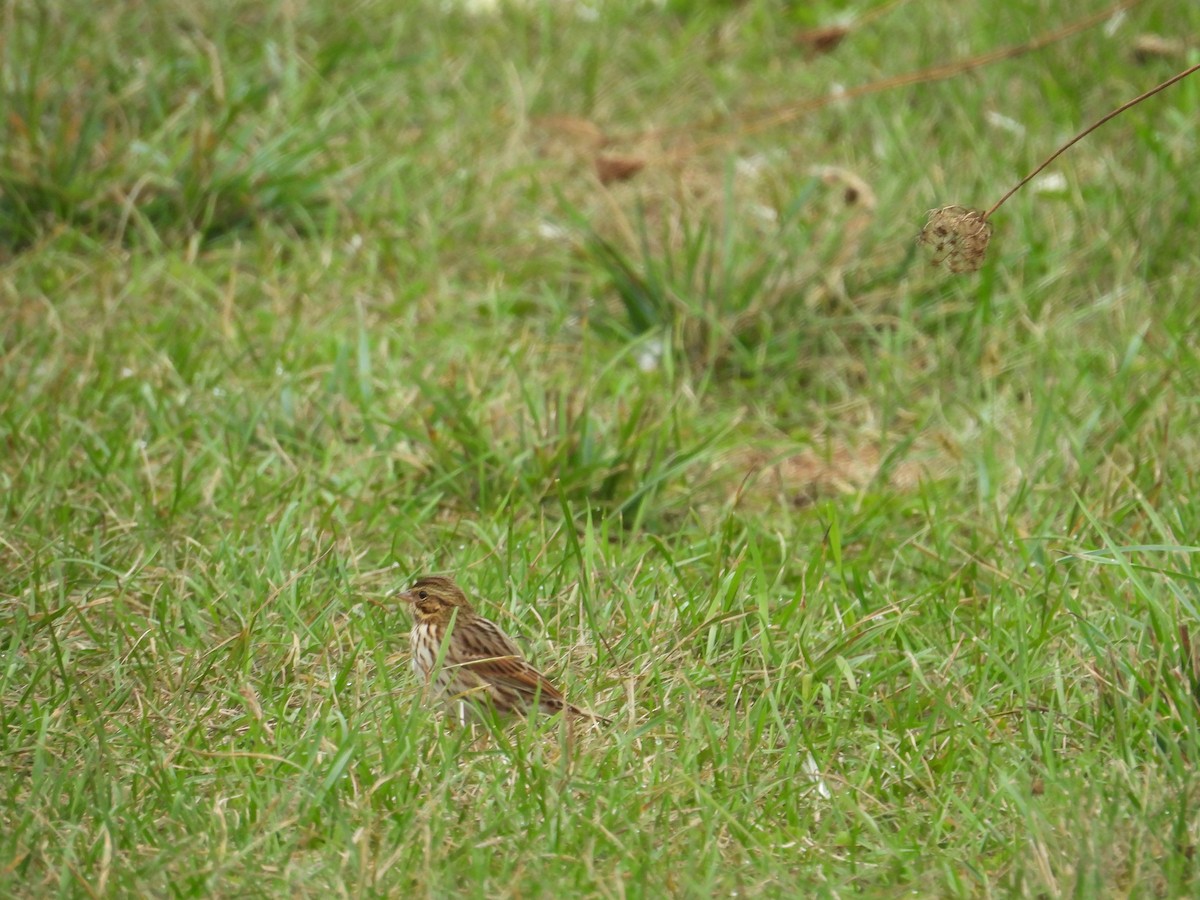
{"x":406,"y":596}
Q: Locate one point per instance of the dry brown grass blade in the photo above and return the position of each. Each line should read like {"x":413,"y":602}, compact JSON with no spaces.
{"x":819,"y":41}
{"x":617,"y":168}
{"x":790,"y":113}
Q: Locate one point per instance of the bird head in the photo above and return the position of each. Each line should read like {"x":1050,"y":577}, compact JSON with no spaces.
{"x":433,"y":599}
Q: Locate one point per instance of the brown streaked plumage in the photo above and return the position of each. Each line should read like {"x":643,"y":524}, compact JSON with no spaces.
{"x":481,"y":664}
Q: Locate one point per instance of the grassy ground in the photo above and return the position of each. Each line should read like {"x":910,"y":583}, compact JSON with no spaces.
{"x":887,"y":577}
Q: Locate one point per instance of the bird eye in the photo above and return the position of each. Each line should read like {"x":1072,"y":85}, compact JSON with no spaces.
{"x":424,"y":595}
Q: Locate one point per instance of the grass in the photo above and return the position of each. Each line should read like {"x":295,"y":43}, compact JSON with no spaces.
{"x":888,"y":578}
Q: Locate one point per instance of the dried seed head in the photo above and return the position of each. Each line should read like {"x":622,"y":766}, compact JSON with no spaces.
{"x":957,"y":236}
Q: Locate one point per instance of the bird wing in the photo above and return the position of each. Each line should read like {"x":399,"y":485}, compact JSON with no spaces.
{"x":503,"y":663}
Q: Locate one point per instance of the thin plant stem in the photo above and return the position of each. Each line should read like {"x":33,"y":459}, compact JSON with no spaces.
{"x":1079,"y":137}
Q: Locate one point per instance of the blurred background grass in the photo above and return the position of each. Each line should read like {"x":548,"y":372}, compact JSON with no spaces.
{"x":887,"y":577}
